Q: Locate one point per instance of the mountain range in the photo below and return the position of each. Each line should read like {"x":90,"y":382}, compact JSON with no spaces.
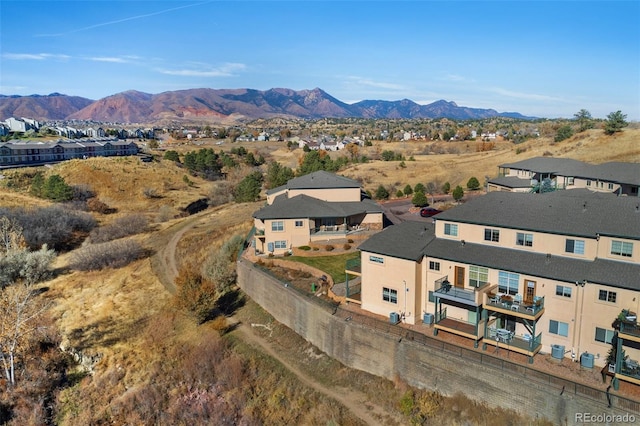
{"x":227,"y":105}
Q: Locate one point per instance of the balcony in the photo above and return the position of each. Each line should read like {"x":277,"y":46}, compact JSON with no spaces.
{"x":259,"y":232}
{"x":353,"y":267}
{"x":504,"y":339}
{"x":329,"y":229}
{"x":460,"y":327}
{"x":469,"y":296}
{"x":510,"y":305}
{"x":629,"y":371}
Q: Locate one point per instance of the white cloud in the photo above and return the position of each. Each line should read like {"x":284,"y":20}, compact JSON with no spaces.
{"x":118,"y":21}
{"x":33,"y":56}
{"x":372,"y":83}
{"x":225,"y":70}
{"x":524,"y":96}
{"x":109,"y":59}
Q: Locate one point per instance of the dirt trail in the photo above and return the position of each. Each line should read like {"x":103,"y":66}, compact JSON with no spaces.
{"x":165,"y":267}
{"x":356,"y":402}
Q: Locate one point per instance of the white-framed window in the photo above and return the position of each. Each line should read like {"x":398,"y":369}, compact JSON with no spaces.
{"x":451,"y":229}
{"x":523,"y":239}
{"x":574,"y":246}
{"x":282,"y":244}
{"x":277,"y":225}
{"x":588,"y":183}
{"x":508,"y":282}
{"x":376,"y":259}
{"x":610,"y":186}
{"x":607,"y":296}
{"x":434,"y":266}
{"x":478,"y":276}
{"x":299,"y":224}
{"x":621,"y":248}
{"x":558,"y":327}
{"x":570,"y":180}
{"x":389,"y":295}
{"x":563,"y":290}
{"x":491,"y":235}
{"x":603,"y":335}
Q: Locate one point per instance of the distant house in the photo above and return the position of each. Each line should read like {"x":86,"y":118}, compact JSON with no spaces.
{"x":544,"y":174}
{"x":263,"y":136}
{"x":321,"y":206}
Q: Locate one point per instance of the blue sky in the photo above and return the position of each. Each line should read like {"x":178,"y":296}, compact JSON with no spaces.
{"x":539,"y":58}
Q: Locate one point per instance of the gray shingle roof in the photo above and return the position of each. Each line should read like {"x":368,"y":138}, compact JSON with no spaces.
{"x":320,"y":180}
{"x":303,"y":206}
{"x":406,"y":240}
{"x":600,"y":271}
{"x":628,"y":173}
{"x":605,"y":213}
{"x":577,"y":213}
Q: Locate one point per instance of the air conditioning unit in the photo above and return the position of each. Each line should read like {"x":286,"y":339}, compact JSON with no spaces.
{"x":394,"y":318}
{"x":427,"y":318}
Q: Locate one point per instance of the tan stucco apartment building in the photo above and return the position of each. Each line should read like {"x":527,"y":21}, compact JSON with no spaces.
{"x":540,"y":174}
{"x":320,"y":206}
{"x":521,"y":271}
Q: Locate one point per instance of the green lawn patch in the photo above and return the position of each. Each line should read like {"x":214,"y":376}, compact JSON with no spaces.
{"x":331,"y":265}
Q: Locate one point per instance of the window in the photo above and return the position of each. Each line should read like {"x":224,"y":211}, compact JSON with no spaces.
{"x":508,"y":282}
{"x":491,"y":235}
{"x":607,"y":296}
{"x":559,"y":328}
{"x":478,"y":276}
{"x":621,"y":248}
{"x":562,"y":290}
{"x":603,"y":335}
{"x":570,"y":180}
{"x":298,"y":224}
{"x":277,"y":225}
{"x":282,"y":244}
{"x":432,"y":298}
{"x":588,"y":183}
{"x":451,"y":229}
{"x":574,"y":246}
{"x":610,"y":186}
{"x":523,"y":239}
{"x":434,"y":266}
{"x":376,"y":259}
{"x":389,"y":295}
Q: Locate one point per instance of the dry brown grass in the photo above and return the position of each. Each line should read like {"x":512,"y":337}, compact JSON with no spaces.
{"x":120,"y":182}
{"x":464,"y":161}
{"x":123,"y":313}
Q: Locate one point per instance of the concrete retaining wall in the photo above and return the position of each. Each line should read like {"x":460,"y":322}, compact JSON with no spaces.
{"x":429,"y":367}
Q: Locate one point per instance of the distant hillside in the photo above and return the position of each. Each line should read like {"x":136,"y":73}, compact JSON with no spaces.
{"x":215,"y":105}
{"x":50,"y":107}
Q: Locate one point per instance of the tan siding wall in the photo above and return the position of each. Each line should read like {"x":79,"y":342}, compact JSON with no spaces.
{"x":330,"y":194}
{"x":396,"y":274}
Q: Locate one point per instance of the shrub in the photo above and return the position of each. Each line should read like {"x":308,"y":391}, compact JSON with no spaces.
{"x":113,"y":254}
{"x":121,"y":227}
{"x":329,"y":247}
{"x":95,"y":205}
{"x":151,"y":193}
{"x":195,"y":294}
{"x":350,"y":241}
{"x":56,"y":226}
{"x":305,"y":248}
{"x":316,"y":248}
{"x":346,"y":247}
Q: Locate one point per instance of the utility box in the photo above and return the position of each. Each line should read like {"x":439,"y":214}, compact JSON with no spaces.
{"x":427,"y":318}
{"x":586,"y":360}
{"x":557,"y":351}
{"x":394,"y":318}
